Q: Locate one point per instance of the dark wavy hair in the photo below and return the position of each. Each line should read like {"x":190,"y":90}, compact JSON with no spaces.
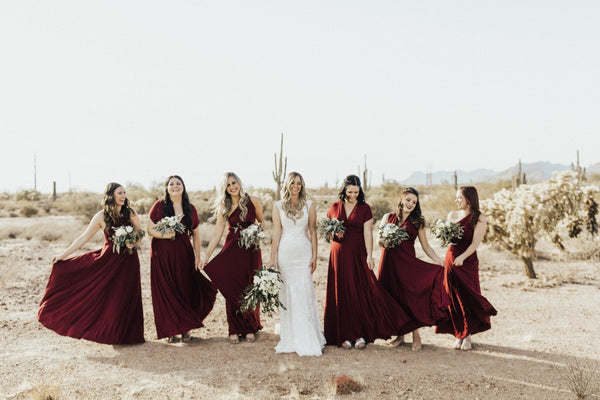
{"x":352,"y":180}
{"x":415,"y":215}
{"x":111,"y":216}
{"x":168,"y":209}
{"x":472,"y":198}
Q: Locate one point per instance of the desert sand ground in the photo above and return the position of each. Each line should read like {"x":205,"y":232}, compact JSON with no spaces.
{"x":542,"y":326}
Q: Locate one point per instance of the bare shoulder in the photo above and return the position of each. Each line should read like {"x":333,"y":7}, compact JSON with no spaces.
{"x":254,"y":199}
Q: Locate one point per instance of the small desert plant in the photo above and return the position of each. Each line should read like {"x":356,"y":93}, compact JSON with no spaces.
{"x":28,"y":211}
{"x":31,"y":195}
{"x":344,"y":384}
{"x":581,"y":378}
{"x":379,"y":206}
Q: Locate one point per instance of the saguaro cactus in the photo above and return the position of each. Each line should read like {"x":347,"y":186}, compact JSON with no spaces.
{"x":280,"y":169}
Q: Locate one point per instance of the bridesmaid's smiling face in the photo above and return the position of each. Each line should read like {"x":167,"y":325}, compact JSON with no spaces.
{"x":233,"y":187}
{"x":409,"y":202}
{"x":295,"y":186}
{"x":120,"y":196}
{"x":352,"y":192}
{"x":461,"y":202}
{"x":175,"y":187}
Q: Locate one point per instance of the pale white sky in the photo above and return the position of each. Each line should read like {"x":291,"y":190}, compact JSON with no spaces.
{"x":132,"y":91}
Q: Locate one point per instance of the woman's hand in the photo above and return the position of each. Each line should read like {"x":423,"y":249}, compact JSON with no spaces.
{"x":370,"y":262}
{"x":168,"y":235}
{"x":313,"y":264}
{"x":57,"y":257}
{"x":199,"y":263}
{"x":272,"y":264}
{"x":458,"y":261}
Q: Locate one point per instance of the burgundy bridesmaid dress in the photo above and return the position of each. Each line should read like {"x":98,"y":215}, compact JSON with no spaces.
{"x":469,"y":311}
{"x":232,"y":270}
{"x":356,"y":305}
{"x":418,"y":286}
{"x":181,"y":296}
{"x":96,"y":296}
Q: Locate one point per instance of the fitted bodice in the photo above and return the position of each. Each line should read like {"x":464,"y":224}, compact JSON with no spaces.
{"x":294,"y":229}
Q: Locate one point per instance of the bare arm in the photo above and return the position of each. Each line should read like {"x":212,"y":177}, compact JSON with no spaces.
{"x":257,"y":208}
{"x":427,"y":248}
{"x":197,"y":243}
{"x":314,"y":240}
{"x":96,"y":224}
{"x":276,"y":236}
{"x":477,"y":238}
{"x":368,"y":233}
{"x":216,"y":236}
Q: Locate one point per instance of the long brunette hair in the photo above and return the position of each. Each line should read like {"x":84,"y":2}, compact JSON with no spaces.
{"x":472,"y":198}
{"x":415,"y":215}
{"x":109,"y":205}
{"x":168,"y":209}
{"x":352,"y":180}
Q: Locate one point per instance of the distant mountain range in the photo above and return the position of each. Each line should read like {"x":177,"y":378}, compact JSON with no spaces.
{"x":534,"y":172}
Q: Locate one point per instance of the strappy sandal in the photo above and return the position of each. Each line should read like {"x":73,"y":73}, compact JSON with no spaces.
{"x":347,"y":345}
{"x":457,"y":344}
{"x":250,"y":337}
{"x":186,"y":337}
{"x":172,"y":339}
{"x":234,"y":339}
{"x":360,"y":344}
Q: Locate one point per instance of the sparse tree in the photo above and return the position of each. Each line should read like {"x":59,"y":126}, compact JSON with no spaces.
{"x":280,"y":169}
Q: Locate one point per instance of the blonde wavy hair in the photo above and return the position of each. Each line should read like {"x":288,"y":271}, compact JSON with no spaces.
{"x":286,"y":197}
{"x":223,"y":204}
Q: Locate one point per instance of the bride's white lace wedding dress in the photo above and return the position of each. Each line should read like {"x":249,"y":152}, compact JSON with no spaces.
{"x":300,"y":327}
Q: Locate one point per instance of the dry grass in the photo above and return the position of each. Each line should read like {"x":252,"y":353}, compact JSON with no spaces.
{"x":581,"y":378}
{"x":344,"y":384}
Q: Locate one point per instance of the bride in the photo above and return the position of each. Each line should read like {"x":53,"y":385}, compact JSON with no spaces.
{"x":294,"y":252}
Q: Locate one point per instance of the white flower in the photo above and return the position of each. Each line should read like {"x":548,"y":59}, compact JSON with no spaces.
{"x":129,"y":229}
{"x":121,"y":231}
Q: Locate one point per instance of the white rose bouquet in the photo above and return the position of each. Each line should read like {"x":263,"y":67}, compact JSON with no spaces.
{"x":328,"y":228}
{"x":251,"y":236}
{"x":126,"y":235}
{"x":263,"y":291}
{"x":447,"y":231}
{"x":171,"y":224}
{"x":390,"y":235}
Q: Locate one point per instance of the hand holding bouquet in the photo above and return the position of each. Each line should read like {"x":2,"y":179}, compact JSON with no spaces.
{"x":251,"y":237}
{"x":170,"y":224}
{"x":390,"y":235}
{"x":447,"y":231}
{"x":263,"y":291}
{"x":126,"y":236}
{"x":330,"y":228}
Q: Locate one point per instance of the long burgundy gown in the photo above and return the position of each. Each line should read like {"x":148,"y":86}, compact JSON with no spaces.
{"x":418,"y":286}
{"x":96,"y":296}
{"x":469,"y":311}
{"x":181,"y":296}
{"x":356,"y":305}
{"x":232,"y":270}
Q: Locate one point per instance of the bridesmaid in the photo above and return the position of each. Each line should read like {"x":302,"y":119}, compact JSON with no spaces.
{"x":232,"y":270}
{"x":357,"y":308}
{"x":415,"y":284}
{"x":469,"y":311}
{"x":97,"y":295}
{"x":294,"y":251}
{"x":181,"y":296}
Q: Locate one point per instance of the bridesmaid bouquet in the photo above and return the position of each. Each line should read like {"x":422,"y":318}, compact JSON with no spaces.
{"x":125,"y":235}
{"x":329,"y":228}
{"x":171,"y":224}
{"x":390,"y":235}
{"x":447,"y":231}
{"x":251,"y":237}
{"x":263,"y":291}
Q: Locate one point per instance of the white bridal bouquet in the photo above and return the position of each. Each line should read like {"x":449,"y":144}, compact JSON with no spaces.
{"x":263,"y":291}
{"x":251,"y":236}
{"x":171,"y":224}
{"x":125,"y":235}
{"x":329,"y":228}
{"x":390,"y":235}
{"x":447,"y":231}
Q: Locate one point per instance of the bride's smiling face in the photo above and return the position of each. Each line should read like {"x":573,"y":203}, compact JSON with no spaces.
{"x":295,"y":186}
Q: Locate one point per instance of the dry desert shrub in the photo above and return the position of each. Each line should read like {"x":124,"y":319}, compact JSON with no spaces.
{"x":581,"y":378}
{"x":344,"y":384}
{"x":11,"y":232}
{"x":29,"y":211}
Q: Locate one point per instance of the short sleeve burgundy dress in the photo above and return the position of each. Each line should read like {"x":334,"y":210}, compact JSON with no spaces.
{"x":96,"y":296}
{"x":181,"y":296}
{"x":232,"y":270}
{"x":418,"y":286}
{"x":469,"y":311}
{"x":356,"y":306}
